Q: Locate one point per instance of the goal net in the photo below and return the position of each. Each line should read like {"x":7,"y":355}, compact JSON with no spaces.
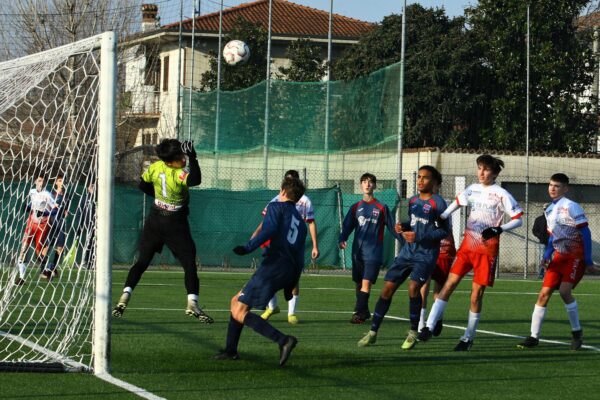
{"x":56,"y":123}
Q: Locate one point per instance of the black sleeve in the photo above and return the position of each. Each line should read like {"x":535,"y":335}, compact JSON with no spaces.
{"x":195,"y":176}
{"x":146,"y":187}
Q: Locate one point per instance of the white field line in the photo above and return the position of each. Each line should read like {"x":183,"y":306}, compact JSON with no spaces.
{"x":81,"y":367}
{"x":337,"y":274}
{"x":51,"y":354}
{"x":507,"y":335}
{"x":462,"y":328}
{"x":129,"y":387}
{"x":491,"y":291}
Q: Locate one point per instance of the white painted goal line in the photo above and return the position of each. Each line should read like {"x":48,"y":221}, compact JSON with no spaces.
{"x":77,"y":366}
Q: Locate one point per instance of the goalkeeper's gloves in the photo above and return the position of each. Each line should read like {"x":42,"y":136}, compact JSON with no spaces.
{"x":491,"y":232}
{"x":187,"y":146}
{"x":240,"y":250}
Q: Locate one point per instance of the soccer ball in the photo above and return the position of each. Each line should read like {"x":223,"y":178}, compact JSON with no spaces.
{"x":236,"y":52}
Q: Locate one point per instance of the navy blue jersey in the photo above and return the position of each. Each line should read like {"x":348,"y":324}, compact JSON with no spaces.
{"x":62,"y":202}
{"x":368,"y":220}
{"x":286,"y":230}
{"x":429,"y":229}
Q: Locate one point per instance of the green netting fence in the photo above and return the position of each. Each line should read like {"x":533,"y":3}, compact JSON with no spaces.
{"x":222,"y":219}
{"x":362,"y":113}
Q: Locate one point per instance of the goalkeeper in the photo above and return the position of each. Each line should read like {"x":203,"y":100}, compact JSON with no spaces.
{"x":168,"y":181}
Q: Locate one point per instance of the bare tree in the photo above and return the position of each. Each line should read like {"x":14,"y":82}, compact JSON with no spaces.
{"x":31,"y":26}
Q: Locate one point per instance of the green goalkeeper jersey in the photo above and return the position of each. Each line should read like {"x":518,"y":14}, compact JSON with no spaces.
{"x":170,"y":185}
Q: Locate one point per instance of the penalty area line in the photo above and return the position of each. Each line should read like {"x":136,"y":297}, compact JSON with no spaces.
{"x":462,"y":328}
{"x":506,"y":335}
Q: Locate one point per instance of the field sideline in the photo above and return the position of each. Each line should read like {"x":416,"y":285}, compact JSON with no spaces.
{"x":157,"y":348}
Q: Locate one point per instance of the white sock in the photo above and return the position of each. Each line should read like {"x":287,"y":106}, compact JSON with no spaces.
{"x":539,"y":313}
{"x":22,"y":270}
{"x":273,"y":302}
{"x":423,"y":320}
{"x":128,"y":289}
{"x":292,"y":305}
{"x":193,"y":297}
{"x":471,"y":326}
{"x":573,"y":313}
{"x":437,"y":310}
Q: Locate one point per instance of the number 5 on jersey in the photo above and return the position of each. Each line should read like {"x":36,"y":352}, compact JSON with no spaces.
{"x":293,"y":232}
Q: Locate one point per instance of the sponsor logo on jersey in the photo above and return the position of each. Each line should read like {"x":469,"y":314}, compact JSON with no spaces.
{"x":414,"y":219}
{"x":362,"y":220}
{"x":494,"y":197}
{"x":360,"y":209}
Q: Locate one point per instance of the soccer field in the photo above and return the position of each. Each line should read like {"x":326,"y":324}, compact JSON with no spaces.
{"x":158,"y":348}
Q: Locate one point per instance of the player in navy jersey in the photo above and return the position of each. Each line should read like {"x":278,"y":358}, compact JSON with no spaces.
{"x":568,"y":254}
{"x":56,"y":236}
{"x":367,"y":218}
{"x":421,"y":236}
{"x":280,"y":269}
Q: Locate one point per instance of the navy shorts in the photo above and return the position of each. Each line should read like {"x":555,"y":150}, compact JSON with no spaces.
{"x":263,"y":285}
{"x":368,"y":270}
{"x":402,"y":268}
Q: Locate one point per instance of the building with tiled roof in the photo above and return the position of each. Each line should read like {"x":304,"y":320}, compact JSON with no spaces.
{"x":288,"y":19}
{"x":153,"y":70}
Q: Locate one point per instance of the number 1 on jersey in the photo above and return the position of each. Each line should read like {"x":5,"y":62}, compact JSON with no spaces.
{"x":163,"y":179}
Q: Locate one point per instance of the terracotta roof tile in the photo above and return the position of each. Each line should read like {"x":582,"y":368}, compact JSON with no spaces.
{"x":289,"y":19}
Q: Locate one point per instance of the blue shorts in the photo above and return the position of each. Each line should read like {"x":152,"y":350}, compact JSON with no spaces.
{"x":418,"y":270}
{"x":368,"y":270}
{"x":263,"y":285}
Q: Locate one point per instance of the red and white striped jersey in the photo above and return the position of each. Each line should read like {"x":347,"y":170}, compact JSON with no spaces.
{"x":40,"y":202}
{"x":565,"y":218}
{"x":488,"y":205}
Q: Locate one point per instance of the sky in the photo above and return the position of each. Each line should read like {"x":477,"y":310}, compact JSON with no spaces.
{"x":366,"y":10}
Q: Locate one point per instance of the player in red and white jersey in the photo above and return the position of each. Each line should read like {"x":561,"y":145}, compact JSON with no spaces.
{"x":488,"y":203}
{"x":40,"y":206}
{"x":568,"y":255}
{"x":306,"y":211}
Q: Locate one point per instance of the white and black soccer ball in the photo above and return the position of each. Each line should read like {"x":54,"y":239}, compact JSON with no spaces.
{"x":236,"y":52}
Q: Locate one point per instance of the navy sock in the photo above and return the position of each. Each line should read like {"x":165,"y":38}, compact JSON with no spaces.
{"x":381,"y":308}
{"x":43,"y":261}
{"x":414,"y":310}
{"x":362,"y":302}
{"x":56,"y":255}
{"x":264,"y":328}
{"x":234,"y":331}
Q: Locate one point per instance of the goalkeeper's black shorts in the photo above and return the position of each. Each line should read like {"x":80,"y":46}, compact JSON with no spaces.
{"x":172,"y":230}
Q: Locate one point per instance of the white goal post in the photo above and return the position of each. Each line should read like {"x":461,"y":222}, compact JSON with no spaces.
{"x":57,"y":123}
